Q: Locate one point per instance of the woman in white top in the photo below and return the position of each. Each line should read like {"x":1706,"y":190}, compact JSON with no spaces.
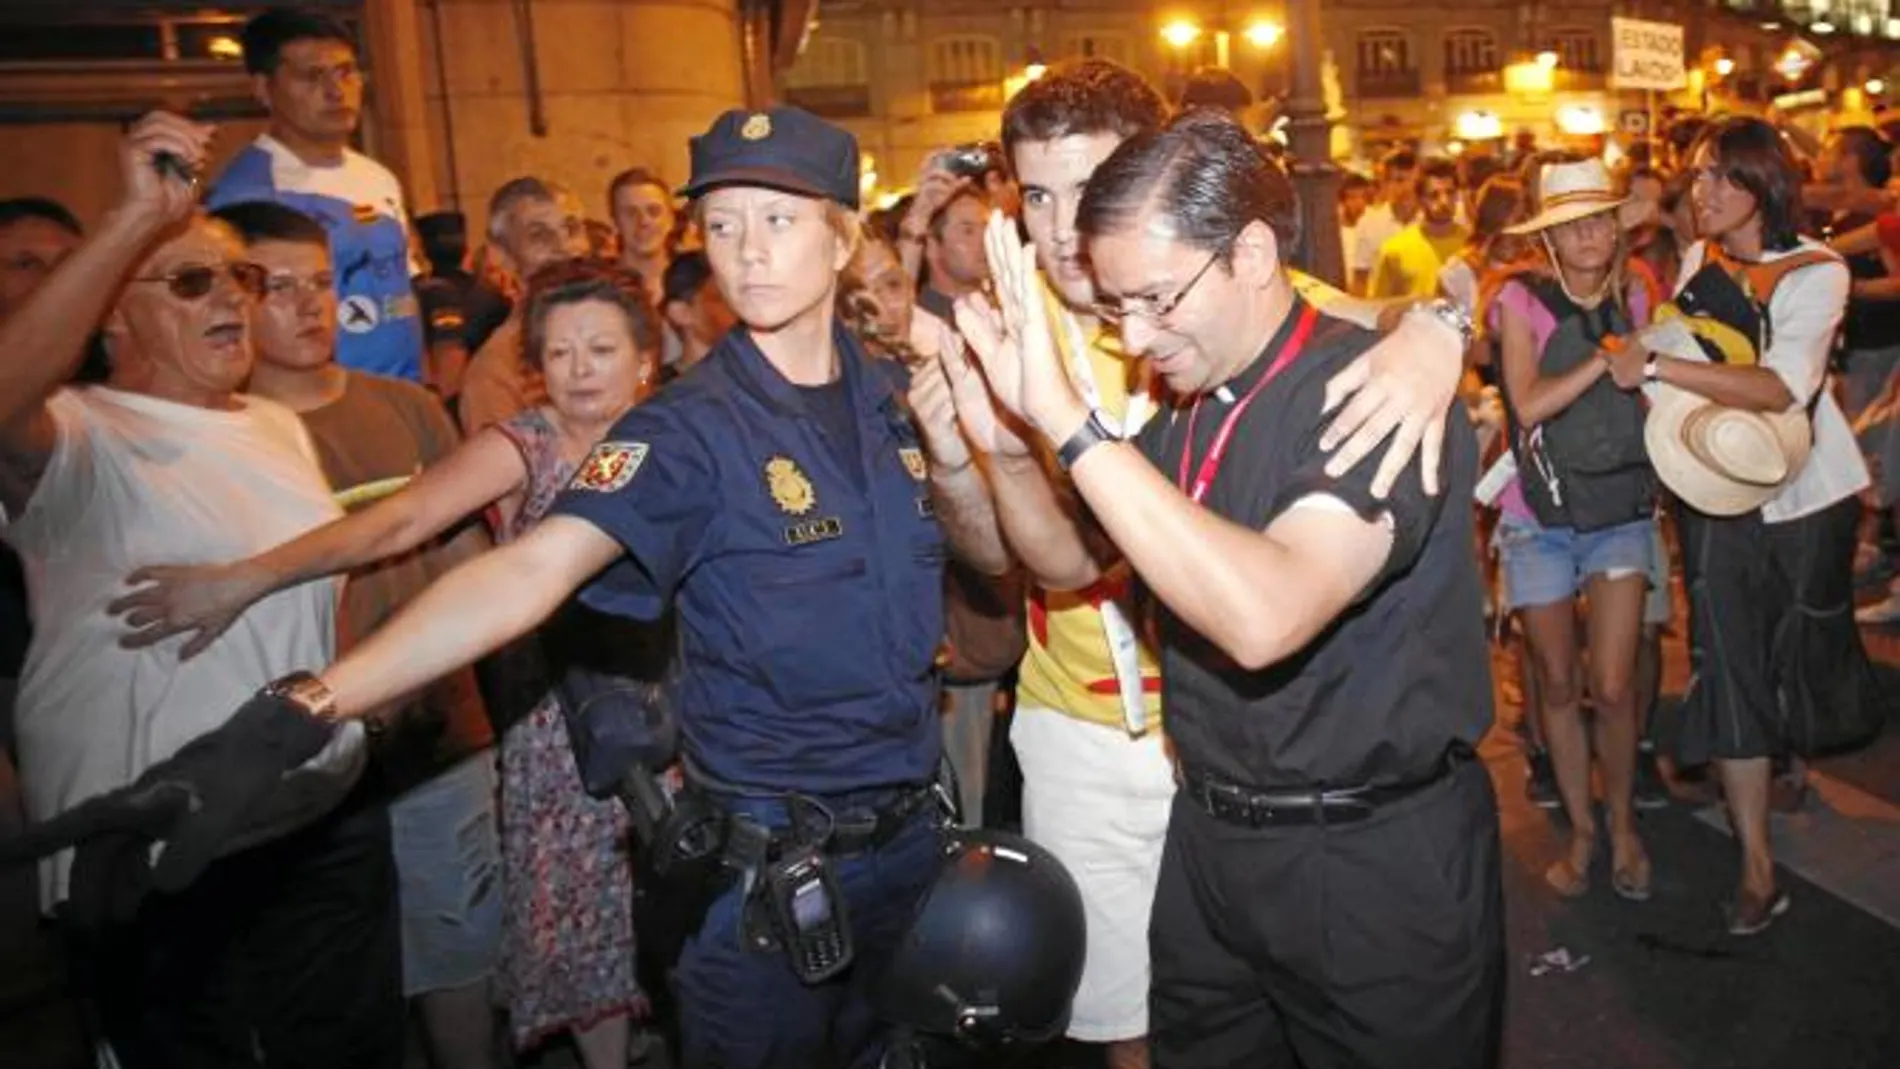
{"x":1778,"y":662}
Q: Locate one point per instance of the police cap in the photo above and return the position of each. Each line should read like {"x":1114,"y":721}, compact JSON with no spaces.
{"x":783,"y":148}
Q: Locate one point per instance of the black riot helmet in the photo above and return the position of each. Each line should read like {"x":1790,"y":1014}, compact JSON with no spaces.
{"x":994,"y":956}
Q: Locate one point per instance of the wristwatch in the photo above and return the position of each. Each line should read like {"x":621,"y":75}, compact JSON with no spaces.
{"x":306,"y":690}
{"x":1092,"y":433}
{"x":1451,"y":314}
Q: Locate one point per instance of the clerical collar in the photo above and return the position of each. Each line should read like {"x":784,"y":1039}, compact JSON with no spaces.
{"x":1235,"y":388}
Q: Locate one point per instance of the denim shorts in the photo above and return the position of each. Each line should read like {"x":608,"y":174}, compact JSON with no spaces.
{"x":1546,"y":565}
{"x":448,"y":866}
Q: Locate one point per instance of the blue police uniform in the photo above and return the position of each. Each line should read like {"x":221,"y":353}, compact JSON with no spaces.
{"x":805,"y":564}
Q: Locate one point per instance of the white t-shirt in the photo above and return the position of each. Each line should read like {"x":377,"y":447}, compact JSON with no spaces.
{"x":134,"y":480}
{"x":1805,"y":312}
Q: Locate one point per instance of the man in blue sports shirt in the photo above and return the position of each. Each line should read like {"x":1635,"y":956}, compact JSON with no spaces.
{"x":304,"y":69}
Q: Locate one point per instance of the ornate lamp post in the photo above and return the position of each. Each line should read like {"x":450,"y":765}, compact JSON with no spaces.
{"x":1309,"y":138}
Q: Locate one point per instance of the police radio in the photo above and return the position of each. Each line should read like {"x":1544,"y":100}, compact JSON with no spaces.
{"x":809,"y":912}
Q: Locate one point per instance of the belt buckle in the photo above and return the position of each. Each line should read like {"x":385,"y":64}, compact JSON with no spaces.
{"x":1230,"y":803}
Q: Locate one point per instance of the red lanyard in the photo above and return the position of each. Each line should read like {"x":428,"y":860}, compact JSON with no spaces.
{"x":1210,"y":464}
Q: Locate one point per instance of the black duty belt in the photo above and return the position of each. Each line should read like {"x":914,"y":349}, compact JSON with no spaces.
{"x":839,"y":829}
{"x":1251,"y":807}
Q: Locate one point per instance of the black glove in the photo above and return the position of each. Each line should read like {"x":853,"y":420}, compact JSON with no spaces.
{"x":231,"y":770}
{"x":192,"y":801}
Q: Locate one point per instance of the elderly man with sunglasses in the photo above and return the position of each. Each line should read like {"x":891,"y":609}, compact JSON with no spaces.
{"x":287,"y":949}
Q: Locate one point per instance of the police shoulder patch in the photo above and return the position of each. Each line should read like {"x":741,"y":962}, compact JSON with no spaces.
{"x":609,"y":467}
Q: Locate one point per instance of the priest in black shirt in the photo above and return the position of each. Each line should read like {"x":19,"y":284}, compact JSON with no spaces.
{"x":1330,"y":884}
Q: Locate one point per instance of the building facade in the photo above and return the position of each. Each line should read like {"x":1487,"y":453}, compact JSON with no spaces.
{"x":910,"y":77}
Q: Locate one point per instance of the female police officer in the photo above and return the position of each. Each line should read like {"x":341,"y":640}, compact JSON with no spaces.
{"x":775,"y":495}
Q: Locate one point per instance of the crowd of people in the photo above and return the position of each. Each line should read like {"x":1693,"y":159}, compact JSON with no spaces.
{"x":1060,"y":441}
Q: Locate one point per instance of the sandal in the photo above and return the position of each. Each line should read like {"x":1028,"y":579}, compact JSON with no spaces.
{"x":1750,"y":914}
{"x":1566,"y":877}
{"x":1632,"y":882}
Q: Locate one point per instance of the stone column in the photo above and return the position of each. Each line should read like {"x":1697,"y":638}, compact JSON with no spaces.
{"x":612,"y":85}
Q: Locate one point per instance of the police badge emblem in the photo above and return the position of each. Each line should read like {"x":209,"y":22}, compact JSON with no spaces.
{"x":913,"y":459}
{"x":757,"y":128}
{"x":790,"y":489}
{"x":609,"y":467}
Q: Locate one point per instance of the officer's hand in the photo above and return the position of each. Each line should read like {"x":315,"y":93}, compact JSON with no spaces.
{"x":990,"y":429}
{"x":154,"y":197}
{"x":198,"y":600}
{"x":1401,"y":389}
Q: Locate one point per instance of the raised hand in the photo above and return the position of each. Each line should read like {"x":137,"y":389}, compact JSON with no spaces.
{"x":1015,"y":342}
{"x":984,"y":424}
{"x":154,"y":194}
{"x":176,"y":599}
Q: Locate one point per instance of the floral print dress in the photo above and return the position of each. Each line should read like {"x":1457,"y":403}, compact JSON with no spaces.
{"x":567,"y":937}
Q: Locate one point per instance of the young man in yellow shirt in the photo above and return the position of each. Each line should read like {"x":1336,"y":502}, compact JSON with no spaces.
{"x":1409,"y":262}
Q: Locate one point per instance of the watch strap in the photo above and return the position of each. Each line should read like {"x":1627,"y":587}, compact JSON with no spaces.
{"x":1091,"y":433}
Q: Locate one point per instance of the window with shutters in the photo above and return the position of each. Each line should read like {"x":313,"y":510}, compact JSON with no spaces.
{"x":1386,"y":65}
{"x":1471,"y":52}
{"x":966,"y":74}
{"x":1110,"y":46}
{"x":1576,"y":50}
{"x":830,"y":79}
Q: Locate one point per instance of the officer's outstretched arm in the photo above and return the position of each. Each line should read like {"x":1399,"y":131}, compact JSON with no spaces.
{"x":470,"y":612}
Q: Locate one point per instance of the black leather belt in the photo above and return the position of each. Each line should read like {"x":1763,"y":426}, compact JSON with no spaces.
{"x":1249,"y":807}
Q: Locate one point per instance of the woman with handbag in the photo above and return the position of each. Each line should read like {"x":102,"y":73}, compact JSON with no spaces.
{"x":1579,"y":520}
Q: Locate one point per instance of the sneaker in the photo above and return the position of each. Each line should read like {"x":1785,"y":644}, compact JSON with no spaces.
{"x":1880,"y":613}
{"x":1541,"y":787}
{"x":1651,"y":792}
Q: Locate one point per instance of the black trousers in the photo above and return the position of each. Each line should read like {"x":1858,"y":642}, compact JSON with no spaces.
{"x":1777,"y":659}
{"x":1378,"y":944}
{"x":287,"y":955}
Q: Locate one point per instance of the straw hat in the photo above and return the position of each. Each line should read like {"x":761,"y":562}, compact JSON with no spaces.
{"x":1723,"y":461}
{"x":1567,"y":191}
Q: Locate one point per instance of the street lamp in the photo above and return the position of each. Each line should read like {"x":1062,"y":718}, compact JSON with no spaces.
{"x":1309,"y":132}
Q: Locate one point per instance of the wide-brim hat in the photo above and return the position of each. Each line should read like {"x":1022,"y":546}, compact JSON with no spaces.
{"x":1570,"y":191}
{"x":1723,"y":461}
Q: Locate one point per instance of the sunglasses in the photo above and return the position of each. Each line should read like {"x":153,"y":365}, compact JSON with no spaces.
{"x":196,"y":281}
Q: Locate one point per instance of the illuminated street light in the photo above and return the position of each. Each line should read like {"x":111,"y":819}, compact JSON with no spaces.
{"x":1875,"y":87}
{"x":1264,"y":34}
{"x":1724,"y":67}
{"x":1180,"y":33}
{"x":1821,"y":26}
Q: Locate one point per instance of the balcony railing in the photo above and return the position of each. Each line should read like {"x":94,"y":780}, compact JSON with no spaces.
{"x":1562,"y":80}
{"x":1388,"y":83}
{"x":832,"y":101}
{"x":948,"y":97}
{"x":1477,"y":81}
